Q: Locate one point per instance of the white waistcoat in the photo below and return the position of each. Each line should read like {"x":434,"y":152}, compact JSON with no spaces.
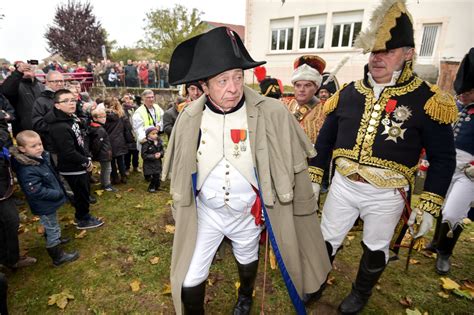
{"x":225,"y":167}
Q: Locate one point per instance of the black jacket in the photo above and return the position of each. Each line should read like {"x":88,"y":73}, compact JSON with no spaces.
{"x":152,"y":165}
{"x":99,"y":143}
{"x":68,"y":140}
{"x":169,"y":118}
{"x":21,"y":93}
{"x":43,"y":104}
{"x":115,"y":127}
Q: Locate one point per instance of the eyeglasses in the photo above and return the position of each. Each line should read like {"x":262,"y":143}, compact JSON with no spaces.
{"x":56,"y":81}
{"x":70,"y":101}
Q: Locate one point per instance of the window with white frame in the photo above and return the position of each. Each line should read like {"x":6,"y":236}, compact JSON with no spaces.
{"x":312,"y":31}
{"x":428,"y":40}
{"x":345,"y":28}
{"x":282,"y":34}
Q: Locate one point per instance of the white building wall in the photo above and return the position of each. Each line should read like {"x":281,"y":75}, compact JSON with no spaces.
{"x":454,"y":39}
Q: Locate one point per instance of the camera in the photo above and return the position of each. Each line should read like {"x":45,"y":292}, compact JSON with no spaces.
{"x":32,"y":62}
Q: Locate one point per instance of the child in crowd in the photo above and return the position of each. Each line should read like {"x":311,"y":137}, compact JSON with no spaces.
{"x":100,"y":147}
{"x":73,"y":162}
{"x":152,"y":153}
{"x":43,"y":191}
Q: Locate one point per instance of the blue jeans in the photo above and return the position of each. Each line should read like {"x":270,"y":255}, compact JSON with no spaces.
{"x":51,"y":229}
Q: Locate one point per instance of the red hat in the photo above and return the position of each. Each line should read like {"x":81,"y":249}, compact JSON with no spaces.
{"x":260,"y":72}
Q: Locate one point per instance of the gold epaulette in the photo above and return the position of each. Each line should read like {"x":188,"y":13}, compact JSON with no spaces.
{"x":331,"y":103}
{"x":430,"y":203}
{"x":316,"y":174}
{"x":441,"y":106}
{"x":181,"y":106}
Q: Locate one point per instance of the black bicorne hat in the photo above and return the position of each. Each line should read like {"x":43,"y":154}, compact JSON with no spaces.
{"x":465,"y":77}
{"x":390,"y":27}
{"x":209,"y":54}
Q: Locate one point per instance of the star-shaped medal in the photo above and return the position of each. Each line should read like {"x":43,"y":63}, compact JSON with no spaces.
{"x":394,"y":131}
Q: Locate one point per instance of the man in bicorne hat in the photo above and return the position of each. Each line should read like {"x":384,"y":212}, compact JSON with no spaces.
{"x":306,"y":106}
{"x":461,"y":192}
{"x":374,"y":131}
{"x":238,"y":160}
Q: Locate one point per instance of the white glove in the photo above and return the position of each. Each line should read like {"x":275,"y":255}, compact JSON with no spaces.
{"x":420,"y":222}
{"x":469,"y":171}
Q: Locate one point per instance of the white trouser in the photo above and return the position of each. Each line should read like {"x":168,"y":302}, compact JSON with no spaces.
{"x":213,"y":225}
{"x":379,"y":208}
{"x":458,"y":199}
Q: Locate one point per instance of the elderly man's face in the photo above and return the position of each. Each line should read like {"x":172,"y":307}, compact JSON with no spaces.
{"x":383,"y":64}
{"x":149,"y":99}
{"x":193,"y":92}
{"x":55,"y":81}
{"x":304,"y":91}
{"x":225,"y":89}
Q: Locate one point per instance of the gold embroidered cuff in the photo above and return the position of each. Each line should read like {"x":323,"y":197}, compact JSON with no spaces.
{"x":316,"y":174}
{"x":430,"y":203}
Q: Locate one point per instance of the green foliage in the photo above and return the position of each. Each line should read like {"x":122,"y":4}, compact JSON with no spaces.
{"x":166,"y":28}
{"x":123,"y":54}
{"x":75,"y":33}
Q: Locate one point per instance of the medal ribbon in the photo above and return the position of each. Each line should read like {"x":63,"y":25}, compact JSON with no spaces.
{"x":390,"y":106}
{"x":243,"y":134}
{"x":235,"y":135}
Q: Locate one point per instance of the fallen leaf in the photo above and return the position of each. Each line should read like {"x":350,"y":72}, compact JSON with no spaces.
{"x":169,"y":202}
{"x":463,"y":293}
{"x":81,"y":234}
{"x":413,"y":312}
{"x":331,"y":280}
{"x":40,"y":230}
{"x":99,"y":192}
{"x":273,"y":263}
{"x":130,"y":189}
{"x":443,"y":294}
{"x":237,"y":286}
{"x":139,"y":206}
{"x":209,"y":282}
{"x":169,"y":228}
{"x":154,"y":260}
{"x":448,"y":284}
{"x":420,"y":244}
{"x":130,"y":259}
{"x":468,"y":284}
{"x":350,"y":237}
{"x":118,"y":196}
{"x":166,"y":289}
{"x":466,"y":221}
{"x":60,"y":299}
{"x":406,"y":301}
{"x":414,"y":261}
{"x":135,"y":285}
{"x":378,"y":287}
{"x":428,"y":254}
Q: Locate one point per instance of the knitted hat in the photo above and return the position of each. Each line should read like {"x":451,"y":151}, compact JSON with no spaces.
{"x":150,"y":129}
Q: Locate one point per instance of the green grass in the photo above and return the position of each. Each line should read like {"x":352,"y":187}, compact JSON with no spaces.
{"x":118,"y":253}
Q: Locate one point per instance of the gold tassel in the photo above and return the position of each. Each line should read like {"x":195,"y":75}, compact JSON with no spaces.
{"x":331,"y":103}
{"x":441,"y":106}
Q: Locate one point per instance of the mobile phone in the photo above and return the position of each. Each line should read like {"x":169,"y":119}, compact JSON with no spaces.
{"x":32,"y":62}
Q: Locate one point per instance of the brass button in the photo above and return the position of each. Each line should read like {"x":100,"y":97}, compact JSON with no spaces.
{"x":370,"y":129}
{"x":226,"y":199}
{"x":203,"y":142}
{"x":227,"y":173}
{"x":223,"y":187}
{"x":199,"y":152}
{"x":377,"y":107}
{"x":374,"y":115}
{"x":372,"y":122}
{"x":365,"y":145}
{"x":227,"y":193}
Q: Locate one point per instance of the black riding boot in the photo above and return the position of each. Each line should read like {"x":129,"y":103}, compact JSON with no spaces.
{"x":59,"y":256}
{"x":3,"y":294}
{"x":432,"y":246}
{"x":193,"y":299}
{"x":447,"y":241}
{"x":310,"y":298}
{"x":247,"y":275}
{"x":371,"y":267}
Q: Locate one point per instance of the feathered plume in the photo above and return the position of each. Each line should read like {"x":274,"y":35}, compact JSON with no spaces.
{"x":336,"y":68}
{"x":366,"y":38}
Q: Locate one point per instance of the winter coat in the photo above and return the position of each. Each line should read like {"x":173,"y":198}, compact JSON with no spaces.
{"x":6,"y":175}
{"x":280,"y":150}
{"x":21,"y":93}
{"x":129,"y":132}
{"x":43,"y":104}
{"x":39,"y":182}
{"x":115,"y":127}
{"x":99,"y":143}
{"x":66,"y":134}
{"x":152,"y":165}
{"x":169,"y":117}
